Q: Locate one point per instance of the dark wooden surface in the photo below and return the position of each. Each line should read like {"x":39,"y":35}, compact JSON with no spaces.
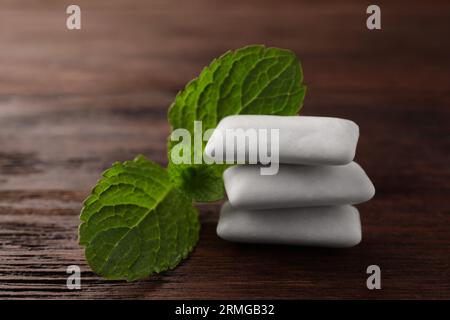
{"x":72,"y":102}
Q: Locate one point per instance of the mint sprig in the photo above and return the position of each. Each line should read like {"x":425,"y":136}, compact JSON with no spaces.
{"x":139,"y":218}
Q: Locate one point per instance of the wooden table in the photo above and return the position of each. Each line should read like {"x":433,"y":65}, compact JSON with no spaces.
{"x":73,"y":102}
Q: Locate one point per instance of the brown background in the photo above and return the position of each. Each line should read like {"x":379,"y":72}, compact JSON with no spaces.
{"x":72,"y":102}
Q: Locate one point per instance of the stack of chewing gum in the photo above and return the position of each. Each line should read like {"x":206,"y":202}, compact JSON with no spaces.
{"x":308,"y":201}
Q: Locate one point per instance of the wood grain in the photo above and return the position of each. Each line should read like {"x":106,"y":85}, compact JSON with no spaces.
{"x":73,"y":102}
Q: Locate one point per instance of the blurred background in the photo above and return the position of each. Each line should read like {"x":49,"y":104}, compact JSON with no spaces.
{"x":74,"y":101}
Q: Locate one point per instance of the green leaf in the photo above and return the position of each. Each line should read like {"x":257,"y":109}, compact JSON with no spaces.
{"x":250,"y":80}
{"x":200,"y":182}
{"x":136,"y":222}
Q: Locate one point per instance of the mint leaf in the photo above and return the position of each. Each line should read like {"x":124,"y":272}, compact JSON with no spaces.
{"x":136,"y":222}
{"x":251,"y":80}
